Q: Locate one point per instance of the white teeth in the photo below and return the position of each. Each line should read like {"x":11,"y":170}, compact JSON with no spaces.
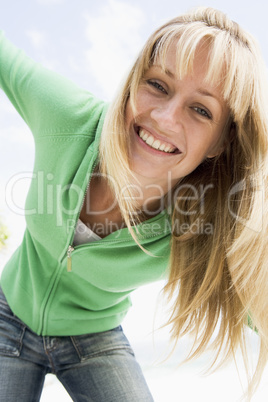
{"x":150,"y":140}
{"x":156,"y":144}
{"x":145,"y":136}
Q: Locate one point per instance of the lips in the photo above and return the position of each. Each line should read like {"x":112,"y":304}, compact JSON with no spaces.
{"x":156,"y":143}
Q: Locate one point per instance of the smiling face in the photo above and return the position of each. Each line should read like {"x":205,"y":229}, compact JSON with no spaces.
{"x":176,"y":123}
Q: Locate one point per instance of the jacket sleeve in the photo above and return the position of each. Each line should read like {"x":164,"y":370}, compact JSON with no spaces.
{"x":48,"y":102}
{"x":250,"y":323}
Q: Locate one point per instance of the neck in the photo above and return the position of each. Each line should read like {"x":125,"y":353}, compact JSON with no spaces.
{"x":150,"y":193}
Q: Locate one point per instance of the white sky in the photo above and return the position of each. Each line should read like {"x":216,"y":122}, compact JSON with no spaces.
{"x":93,"y":43}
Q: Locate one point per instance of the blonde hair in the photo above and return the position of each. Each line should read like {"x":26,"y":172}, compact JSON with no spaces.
{"x":220,"y":278}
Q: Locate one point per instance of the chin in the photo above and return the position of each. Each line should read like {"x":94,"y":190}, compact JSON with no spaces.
{"x":148,"y":172}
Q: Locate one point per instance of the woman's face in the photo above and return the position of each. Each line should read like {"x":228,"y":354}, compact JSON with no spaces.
{"x":177,"y":123}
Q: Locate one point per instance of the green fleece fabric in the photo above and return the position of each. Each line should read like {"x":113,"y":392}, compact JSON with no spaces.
{"x":66,"y":122}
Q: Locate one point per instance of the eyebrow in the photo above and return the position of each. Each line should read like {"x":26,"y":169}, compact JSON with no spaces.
{"x":201,"y":91}
{"x":168,"y":72}
{"x":204,"y":92}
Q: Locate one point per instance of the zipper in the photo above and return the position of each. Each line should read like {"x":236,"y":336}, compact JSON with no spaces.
{"x":71,"y":247}
{"x":69,"y":258}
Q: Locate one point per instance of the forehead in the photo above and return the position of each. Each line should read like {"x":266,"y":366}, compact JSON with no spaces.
{"x":196,"y":65}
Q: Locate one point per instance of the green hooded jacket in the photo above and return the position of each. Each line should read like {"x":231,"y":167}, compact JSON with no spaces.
{"x":93,"y":295}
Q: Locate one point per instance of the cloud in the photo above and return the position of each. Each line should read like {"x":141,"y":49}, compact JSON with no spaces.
{"x":43,"y":48}
{"x":115,"y":39}
{"x":13,"y":129}
{"x":6,"y":108}
{"x":50,"y":2}
{"x":18,"y":134}
{"x":37,"y":38}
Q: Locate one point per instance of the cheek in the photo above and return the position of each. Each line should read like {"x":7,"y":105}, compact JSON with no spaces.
{"x":217,"y":141}
{"x":128,"y":114}
{"x":203,"y":145}
{"x":144,"y":102}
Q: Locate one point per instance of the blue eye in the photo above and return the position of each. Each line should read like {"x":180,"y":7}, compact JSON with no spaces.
{"x":202,"y":112}
{"x":156,"y":85}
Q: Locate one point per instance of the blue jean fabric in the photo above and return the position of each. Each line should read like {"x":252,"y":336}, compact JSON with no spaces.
{"x":95,"y":367}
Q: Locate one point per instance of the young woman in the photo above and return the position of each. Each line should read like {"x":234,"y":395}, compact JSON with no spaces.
{"x":168,"y":182}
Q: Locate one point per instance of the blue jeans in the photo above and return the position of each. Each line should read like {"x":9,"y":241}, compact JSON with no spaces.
{"x":95,"y":367}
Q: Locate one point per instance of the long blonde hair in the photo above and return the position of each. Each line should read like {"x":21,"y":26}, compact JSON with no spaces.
{"x":217,"y":277}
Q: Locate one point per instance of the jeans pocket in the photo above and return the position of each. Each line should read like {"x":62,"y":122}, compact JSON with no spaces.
{"x":11,"y":331}
{"x":102,"y":343}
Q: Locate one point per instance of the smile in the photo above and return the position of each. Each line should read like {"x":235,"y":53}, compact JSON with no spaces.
{"x":155,"y":143}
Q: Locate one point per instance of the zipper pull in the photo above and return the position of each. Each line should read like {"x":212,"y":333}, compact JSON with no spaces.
{"x":69,"y":258}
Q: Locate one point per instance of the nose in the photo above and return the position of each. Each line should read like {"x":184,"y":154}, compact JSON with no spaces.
{"x":168,"y":115}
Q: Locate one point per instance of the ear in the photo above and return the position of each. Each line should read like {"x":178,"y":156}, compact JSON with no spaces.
{"x":227,"y":140}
